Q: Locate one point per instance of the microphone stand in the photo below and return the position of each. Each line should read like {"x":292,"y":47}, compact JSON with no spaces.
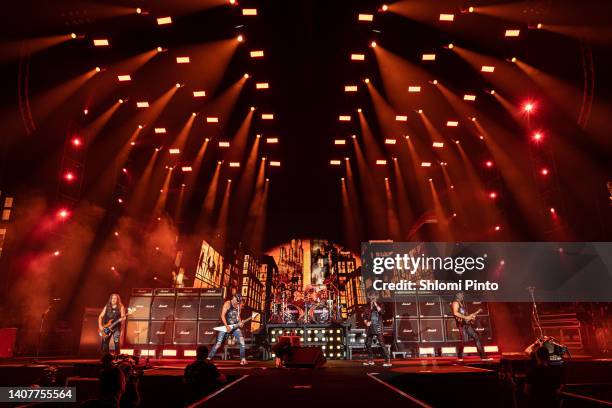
{"x":534,"y":311}
{"x":40,"y":331}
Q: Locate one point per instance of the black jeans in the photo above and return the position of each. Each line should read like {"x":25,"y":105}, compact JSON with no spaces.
{"x":116,"y":336}
{"x":467,"y":332}
{"x":378,"y":333}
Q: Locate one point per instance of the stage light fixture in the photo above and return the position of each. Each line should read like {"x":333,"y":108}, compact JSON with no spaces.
{"x":252,"y":109}
{"x":199,"y":94}
{"x":384,"y":7}
{"x":234,"y":164}
{"x":381,"y":162}
{"x":267,"y":116}
{"x":452,"y":123}
{"x":140,"y":126}
{"x":63,"y":213}
{"x":471,"y":9}
{"x":138,"y":10}
{"x":473,"y":119}
{"x":240,"y":38}
{"x":367,"y":80}
{"x":487,"y":68}
{"x":359,"y":110}
{"x":164,"y":20}
{"x":350,"y":88}
{"x":174,"y":151}
{"x":544,"y":171}
{"x":160,"y":130}
{"x":272,"y":140}
{"x":469,"y":97}
{"x":183,"y":60}
{"x":451,"y":46}
{"x":489,"y":163}
{"x":258,"y":136}
{"x":69,"y":176}
{"x":513,"y":59}
{"x":120,"y":101}
{"x":512,"y":33}
{"x":528,"y":107}
{"x":539,"y":26}
{"x":438,"y":145}
{"x":344,"y":118}
{"x":101,"y":42}
{"x":76,"y":142}
{"x":73,"y":35}
{"x":537,"y":136}
{"x":435,"y":82}
{"x":419,"y":111}
{"x":373,"y":44}
{"x":447,"y":17}
{"x":212,"y":119}
{"x":142,"y":104}
{"x":401,"y":118}
{"x":124,"y":78}
{"x":85,"y":111}
{"x":428,"y":57}
{"x":246,"y":76}
{"x":552,"y":210}
{"x":365,"y":17}
{"x":275,"y":163}
{"x":335,"y":162}
{"x":492,"y":194}
{"x":414,"y":89}
{"x":425,"y":164}
{"x":257,"y":54}
{"x":98,"y":69}
{"x":249,"y":12}
{"x":492,"y":91}
{"x":224,"y":144}
{"x":497,"y":228}
{"x":340,"y":141}
{"x":390,"y":141}
{"x":262,"y":85}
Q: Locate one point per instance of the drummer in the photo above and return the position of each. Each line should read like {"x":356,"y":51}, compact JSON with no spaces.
{"x":299,"y":302}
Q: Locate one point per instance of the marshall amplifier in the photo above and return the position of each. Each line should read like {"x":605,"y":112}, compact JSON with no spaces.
{"x":142,"y":292}
{"x":136,"y":332}
{"x":210,"y":308}
{"x":406,"y":306}
{"x":431,"y":330}
{"x":164,"y":292}
{"x":206,"y":334}
{"x":475,"y":305}
{"x":407,"y":330}
{"x":162,"y":308}
{"x":185,"y":332}
{"x":445,"y":302}
{"x":212,"y":292}
{"x":429,"y":306}
{"x":186,"y":308}
{"x":161,"y":333}
{"x":482,"y":325}
{"x":188,"y":292}
{"x":451,"y":332}
{"x":141,"y":306}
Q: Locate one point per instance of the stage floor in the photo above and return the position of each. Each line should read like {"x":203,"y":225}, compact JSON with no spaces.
{"x":410,"y":382}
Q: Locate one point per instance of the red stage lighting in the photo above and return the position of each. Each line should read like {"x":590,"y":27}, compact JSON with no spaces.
{"x":537,"y":136}
{"x":528,"y":107}
{"x":544,"y":172}
{"x":63,"y":213}
{"x":497,"y":228}
{"x":489,"y":163}
{"x":76,"y":142}
{"x":552,"y":210}
{"x":69,"y":176}
{"x":493,"y":194}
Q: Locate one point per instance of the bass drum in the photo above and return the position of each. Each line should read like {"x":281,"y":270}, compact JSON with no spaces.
{"x":291,"y":313}
{"x":320,"y":314}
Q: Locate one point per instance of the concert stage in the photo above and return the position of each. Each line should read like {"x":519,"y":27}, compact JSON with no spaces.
{"x":410,"y":382}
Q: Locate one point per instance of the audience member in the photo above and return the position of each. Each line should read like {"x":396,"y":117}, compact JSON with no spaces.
{"x":201,"y":376}
{"x":112,"y":387}
{"x":542,"y":381}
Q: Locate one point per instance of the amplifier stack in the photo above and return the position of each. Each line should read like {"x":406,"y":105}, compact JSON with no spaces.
{"x":181,"y":317}
{"x":426,"y":318}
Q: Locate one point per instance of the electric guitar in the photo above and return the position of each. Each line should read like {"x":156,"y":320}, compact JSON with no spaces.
{"x":109,"y":327}
{"x":471,"y":317}
{"x":223,"y":329}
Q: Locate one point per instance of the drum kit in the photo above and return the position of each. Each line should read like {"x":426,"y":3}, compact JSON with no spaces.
{"x":313,"y":305}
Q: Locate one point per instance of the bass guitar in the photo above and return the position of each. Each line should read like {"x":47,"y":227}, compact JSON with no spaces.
{"x":109,"y":327}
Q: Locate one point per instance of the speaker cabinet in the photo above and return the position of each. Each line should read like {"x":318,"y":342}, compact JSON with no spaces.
{"x":451,"y":332}
{"x":162,"y":308}
{"x":185,"y":332}
{"x":407,"y":330}
{"x":406,"y":307}
{"x":186,"y":308}
{"x":206,"y":334}
{"x":475,"y":305}
{"x":161,"y":332}
{"x":210,"y":308}
{"x":482,"y":326}
{"x":431,"y":330}
{"x":429,"y":306}
{"x":90,"y":341}
{"x":136,"y":332}
{"x":142,"y":306}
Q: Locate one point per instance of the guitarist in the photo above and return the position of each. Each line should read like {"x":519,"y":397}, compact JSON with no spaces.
{"x":464,"y":324}
{"x":230,"y":315}
{"x":113,"y":311}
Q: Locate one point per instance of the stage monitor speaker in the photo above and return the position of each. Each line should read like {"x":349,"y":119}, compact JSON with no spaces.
{"x":482,"y":326}
{"x":407,"y":330}
{"x":162,"y":308}
{"x":141,"y":306}
{"x":136,"y":332}
{"x":186,"y":308}
{"x":161,"y":332}
{"x":185,"y":332}
{"x":431,"y":330}
{"x":406,"y":307}
{"x":210,"y":308}
{"x":451,"y":332}
{"x":206,"y":334}
{"x":90,"y":341}
{"x":305,"y":357}
{"x":429,"y":306}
